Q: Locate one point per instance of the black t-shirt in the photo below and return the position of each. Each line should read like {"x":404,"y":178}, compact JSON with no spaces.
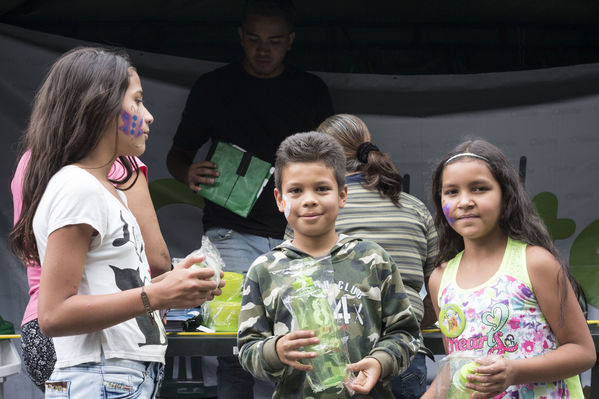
{"x":230,"y":105}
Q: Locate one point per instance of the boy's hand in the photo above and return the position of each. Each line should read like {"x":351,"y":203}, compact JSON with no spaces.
{"x":369,"y":371}
{"x":287,"y":348}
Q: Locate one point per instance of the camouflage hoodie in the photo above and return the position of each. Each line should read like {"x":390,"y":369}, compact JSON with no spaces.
{"x":378,"y":318}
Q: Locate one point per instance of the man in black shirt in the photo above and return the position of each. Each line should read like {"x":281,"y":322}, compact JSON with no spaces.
{"x":254,"y":104}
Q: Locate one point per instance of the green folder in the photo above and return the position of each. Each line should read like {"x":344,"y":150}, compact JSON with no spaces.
{"x":241,"y":180}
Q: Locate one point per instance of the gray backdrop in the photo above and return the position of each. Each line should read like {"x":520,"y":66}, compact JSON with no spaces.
{"x":550,"y":116}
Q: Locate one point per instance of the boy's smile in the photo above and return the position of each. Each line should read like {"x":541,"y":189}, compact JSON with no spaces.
{"x":311,"y":199}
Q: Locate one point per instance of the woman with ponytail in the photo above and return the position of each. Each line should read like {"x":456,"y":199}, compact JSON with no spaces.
{"x":377,"y":210}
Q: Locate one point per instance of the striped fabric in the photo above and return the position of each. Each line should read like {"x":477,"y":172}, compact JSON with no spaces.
{"x":407,"y":233}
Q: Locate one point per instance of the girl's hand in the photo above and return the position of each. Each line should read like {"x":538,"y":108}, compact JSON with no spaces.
{"x":183,"y":287}
{"x":198,"y":259}
{"x":369,"y":371}
{"x":494,"y":375}
{"x":287,"y":348}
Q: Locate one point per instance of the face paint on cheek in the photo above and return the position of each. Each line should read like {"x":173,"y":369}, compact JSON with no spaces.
{"x":446,"y":209}
{"x":132,"y":124}
{"x":286,"y":206}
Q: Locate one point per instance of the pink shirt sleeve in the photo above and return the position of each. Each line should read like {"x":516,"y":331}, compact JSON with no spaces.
{"x":117,"y":171}
{"x":34,"y":271}
{"x":16,"y":185}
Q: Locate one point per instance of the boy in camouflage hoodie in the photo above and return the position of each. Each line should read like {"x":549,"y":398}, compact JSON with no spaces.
{"x":382,"y":329}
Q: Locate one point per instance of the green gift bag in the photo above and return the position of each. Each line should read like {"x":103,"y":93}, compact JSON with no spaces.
{"x":242,"y":178}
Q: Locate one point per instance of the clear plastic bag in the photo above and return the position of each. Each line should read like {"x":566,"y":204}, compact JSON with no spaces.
{"x":452,"y":373}
{"x":222,"y":313}
{"x":212,"y":258}
{"x":311,"y":299}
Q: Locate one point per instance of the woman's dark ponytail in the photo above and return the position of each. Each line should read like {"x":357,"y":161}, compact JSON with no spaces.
{"x":363,"y":156}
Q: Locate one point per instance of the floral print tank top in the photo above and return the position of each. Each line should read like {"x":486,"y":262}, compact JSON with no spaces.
{"x":502,"y":317}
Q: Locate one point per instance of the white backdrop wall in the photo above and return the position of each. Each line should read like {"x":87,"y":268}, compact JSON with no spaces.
{"x":549,"y":116}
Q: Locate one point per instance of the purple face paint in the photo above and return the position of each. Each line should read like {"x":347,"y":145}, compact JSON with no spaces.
{"x":131,"y":124}
{"x":446,"y":209}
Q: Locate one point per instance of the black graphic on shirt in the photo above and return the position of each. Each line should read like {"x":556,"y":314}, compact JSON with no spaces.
{"x":119,"y":242}
{"x":126,"y":279}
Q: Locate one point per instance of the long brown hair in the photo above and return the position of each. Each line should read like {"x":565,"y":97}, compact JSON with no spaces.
{"x":379,"y":171}
{"x":518,"y":218}
{"x":80,"y":96}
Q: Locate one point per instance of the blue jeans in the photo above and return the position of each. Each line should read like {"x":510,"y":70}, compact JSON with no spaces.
{"x":411,"y":384}
{"x":111,"y":378}
{"x":238,"y":251}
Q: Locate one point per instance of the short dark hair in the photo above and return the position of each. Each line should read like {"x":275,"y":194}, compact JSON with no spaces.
{"x":269,"y":8}
{"x":310,"y":147}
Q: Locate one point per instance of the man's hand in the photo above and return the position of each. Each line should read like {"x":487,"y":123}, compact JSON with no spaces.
{"x":202,"y":172}
{"x":287,"y":348}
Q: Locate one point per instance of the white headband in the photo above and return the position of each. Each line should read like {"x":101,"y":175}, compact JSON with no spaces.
{"x":466,"y":154}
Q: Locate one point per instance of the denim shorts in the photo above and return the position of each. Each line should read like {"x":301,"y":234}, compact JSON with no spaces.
{"x":238,"y":250}
{"x":110,"y":379}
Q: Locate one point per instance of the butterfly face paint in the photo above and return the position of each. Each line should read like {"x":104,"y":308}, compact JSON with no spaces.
{"x":446,"y":209}
{"x":286,"y":206}
{"x":132,"y":124}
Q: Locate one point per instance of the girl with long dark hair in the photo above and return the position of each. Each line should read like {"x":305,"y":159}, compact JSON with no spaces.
{"x":97,"y":298}
{"x":501,"y":290}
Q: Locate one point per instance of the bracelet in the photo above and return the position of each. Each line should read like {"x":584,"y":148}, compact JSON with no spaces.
{"x":146,"y":302}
